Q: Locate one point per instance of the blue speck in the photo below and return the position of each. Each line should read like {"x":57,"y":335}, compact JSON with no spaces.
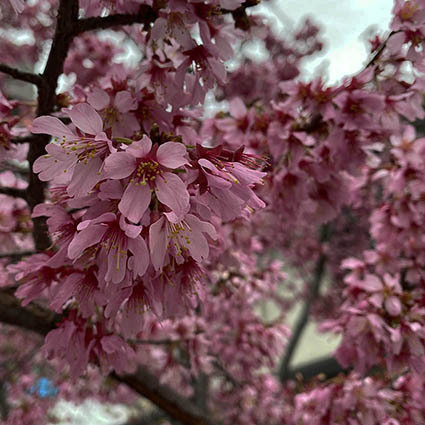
{"x":44,"y":388}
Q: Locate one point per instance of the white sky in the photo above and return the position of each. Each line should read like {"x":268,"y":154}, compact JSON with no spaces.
{"x":343,"y":22}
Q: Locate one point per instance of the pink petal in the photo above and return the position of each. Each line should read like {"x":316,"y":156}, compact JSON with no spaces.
{"x":86,"y":118}
{"x":139,"y":262}
{"x":140,"y":148}
{"x":82,"y":240}
{"x":124,"y":101}
{"x":135,"y":201}
{"x":393,"y":306}
{"x":172,"y":155}
{"x":85,"y":177}
{"x":171,"y":191}
{"x":158,"y":243}
{"x":237,"y":108}
{"x":52,"y":126}
{"x":117,"y":266}
{"x":119,"y":165}
{"x":98,"y":98}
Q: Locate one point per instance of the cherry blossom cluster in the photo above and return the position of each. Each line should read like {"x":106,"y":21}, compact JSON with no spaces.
{"x":170,"y":232}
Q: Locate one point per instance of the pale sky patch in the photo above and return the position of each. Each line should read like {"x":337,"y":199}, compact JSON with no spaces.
{"x":343,"y":23}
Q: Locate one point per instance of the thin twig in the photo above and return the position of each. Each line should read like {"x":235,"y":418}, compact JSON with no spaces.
{"x":155,"y":341}
{"x":17,"y":255}
{"x":381,"y":48}
{"x":146,"y":16}
{"x":15,"y":168}
{"x":28,"y":77}
{"x":302,"y":321}
{"x":325,"y":368}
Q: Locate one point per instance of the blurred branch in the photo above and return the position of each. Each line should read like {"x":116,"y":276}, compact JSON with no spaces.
{"x":15,"y":168}
{"x":314,"y":289}
{"x":147,"y":15}
{"x":379,"y":51}
{"x":25,"y":139}
{"x":325,"y":368}
{"x":16,"y":255}
{"x":155,"y":341}
{"x":28,"y":77}
{"x":151,"y":418}
{"x":42,"y":321}
{"x":14,"y":192}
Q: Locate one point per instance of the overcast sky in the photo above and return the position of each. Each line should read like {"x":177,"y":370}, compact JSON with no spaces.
{"x":343,"y":22}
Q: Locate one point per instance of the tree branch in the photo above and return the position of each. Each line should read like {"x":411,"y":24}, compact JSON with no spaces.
{"x":305,"y":313}
{"x":62,"y":39}
{"x":146,"y":16}
{"x":17,"y":255}
{"x":326,"y":367}
{"x":381,"y":48}
{"x":28,"y":77}
{"x":25,"y":139}
{"x":37,"y":319}
{"x":14,"y":192}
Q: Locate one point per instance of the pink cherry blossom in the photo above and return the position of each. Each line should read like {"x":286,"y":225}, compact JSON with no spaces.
{"x":148,"y":168}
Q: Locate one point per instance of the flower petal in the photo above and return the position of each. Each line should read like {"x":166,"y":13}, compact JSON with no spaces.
{"x":172,"y":155}
{"x":98,"y":98}
{"x":158,"y":243}
{"x":82,"y":240}
{"x":86,"y":118}
{"x":171,"y":191}
{"x":119,"y":165}
{"x":53,"y":126}
{"x":135,"y":201}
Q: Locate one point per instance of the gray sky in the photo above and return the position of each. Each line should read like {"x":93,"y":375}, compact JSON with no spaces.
{"x":342,"y":22}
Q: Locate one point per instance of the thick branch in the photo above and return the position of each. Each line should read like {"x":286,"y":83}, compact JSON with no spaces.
{"x":177,"y":407}
{"x":42,"y":321}
{"x":13,"y":191}
{"x":25,"y":139}
{"x":28,"y":77}
{"x":32,"y":318}
{"x":62,"y":39}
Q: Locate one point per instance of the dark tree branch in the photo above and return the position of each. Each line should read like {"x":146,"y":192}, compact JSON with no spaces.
{"x":302,"y":321}
{"x":16,"y":255}
{"x":15,"y":168}
{"x":32,"y":317}
{"x":177,"y":407}
{"x":37,"y":319}
{"x":62,"y":39}
{"x":151,"y":418}
{"x":379,"y":51}
{"x":146,"y":16}
{"x":14,"y":192}
{"x":325,"y":368}
{"x":28,"y":77}
{"x":25,"y":139}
